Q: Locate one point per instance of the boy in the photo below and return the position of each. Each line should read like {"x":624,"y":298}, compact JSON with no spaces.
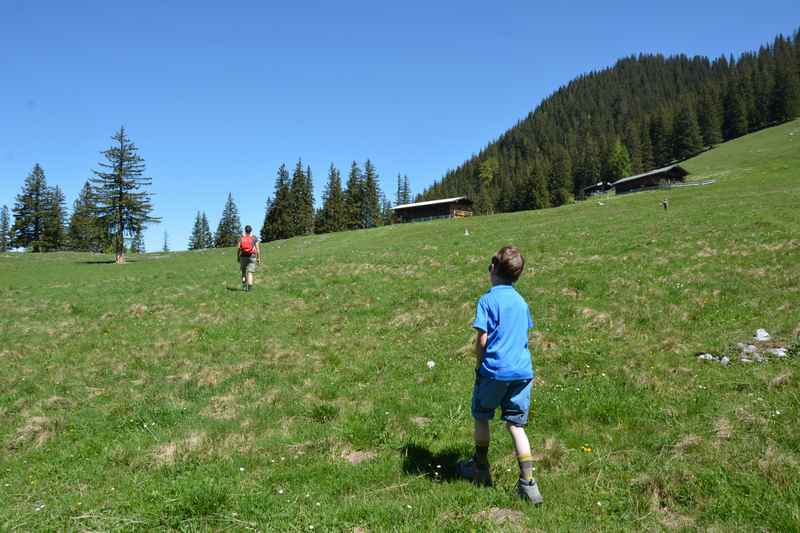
{"x":248,"y":254}
{"x":504,"y":372}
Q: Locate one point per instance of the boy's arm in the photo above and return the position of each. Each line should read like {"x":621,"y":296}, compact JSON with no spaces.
{"x":480,"y":346}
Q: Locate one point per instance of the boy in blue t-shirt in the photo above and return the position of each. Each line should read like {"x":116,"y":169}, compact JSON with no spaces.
{"x":503,"y":373}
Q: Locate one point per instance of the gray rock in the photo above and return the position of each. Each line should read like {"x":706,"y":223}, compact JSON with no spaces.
{"x":778,"y":352}
{"x":750,"y":349}
{"x":724,"y":361}
{"x":707,"y":357}
{"x":758,"y":358}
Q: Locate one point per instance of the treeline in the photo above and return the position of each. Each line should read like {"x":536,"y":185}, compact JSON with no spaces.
{"x":643,"y":113}
{"x":109,"y":215}
{"x":290,"y":210}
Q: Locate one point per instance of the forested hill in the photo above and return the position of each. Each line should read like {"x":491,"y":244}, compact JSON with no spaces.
{"x":640,"y":114}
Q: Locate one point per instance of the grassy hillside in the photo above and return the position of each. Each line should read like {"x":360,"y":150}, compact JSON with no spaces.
{"x":156,"y":395}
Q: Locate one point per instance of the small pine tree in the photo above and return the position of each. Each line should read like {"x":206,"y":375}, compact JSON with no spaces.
{"x":30,"y":211}
{"x":371,"y":206}
{"x":197,"y":238}
{"x":354,"y":197}
{"x":560,"y":184}
{"x":5,"y":230}
{"x":85,"y":233}
{"x":735,"y":114}
{"x":619,"y":162}
{"x":123,"y":207}
{"x":165,"y":247}
{"x":302,"y":202}
{"x":230,"y":227}
{"x":54,"y":235}
{"x":278,"y":220}
{"x":208,"y":237}
{"x":687,"y":140}
{"x":333,"y":216}
{"x":137,"y":242}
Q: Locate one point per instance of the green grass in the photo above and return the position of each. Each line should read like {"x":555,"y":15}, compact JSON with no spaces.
{"x":154,"y":395}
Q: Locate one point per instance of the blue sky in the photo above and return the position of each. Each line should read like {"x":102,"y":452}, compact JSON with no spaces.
{"x":218,"y":94}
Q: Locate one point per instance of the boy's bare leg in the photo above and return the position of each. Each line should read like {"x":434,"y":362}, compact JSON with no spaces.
{"x":523,"y":448}
{"x":250,"y":278}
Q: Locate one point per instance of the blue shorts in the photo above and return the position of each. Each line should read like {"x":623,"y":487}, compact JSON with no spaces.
{"x":512,"y":397}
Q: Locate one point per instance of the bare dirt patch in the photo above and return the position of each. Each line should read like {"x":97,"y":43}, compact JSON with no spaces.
{"x":686,"y":444}
{"x":421,"y":421}
{"x":355,"y":457}
{"x":784,"y":378}
{"x":176,"y":451}
{"x":35,"y":432}
{"x":507,"y":518}
{"x":722,"y":428}
{"x":137,"y":310}
{"x":550,"y":454}
{"x":223,"y":407}
{"x":779,"y":467}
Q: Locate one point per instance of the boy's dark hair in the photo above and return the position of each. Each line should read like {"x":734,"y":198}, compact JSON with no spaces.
{"x":248,"y":228}
{"x":508,"y":263}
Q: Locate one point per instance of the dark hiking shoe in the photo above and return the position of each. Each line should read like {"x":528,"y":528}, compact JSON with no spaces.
{"x":472,"y":471}
{"x":529,"y":490}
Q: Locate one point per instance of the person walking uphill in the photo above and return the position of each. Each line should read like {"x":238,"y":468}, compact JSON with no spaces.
{"x":503,"y":373}
{"x":248,"y":254}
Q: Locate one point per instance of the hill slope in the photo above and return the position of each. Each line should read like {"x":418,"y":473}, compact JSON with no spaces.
{"x":155,"y":395}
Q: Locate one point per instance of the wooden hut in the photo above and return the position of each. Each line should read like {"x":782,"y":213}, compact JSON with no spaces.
{"x":655,"y":178}
{"x":457,"y":207}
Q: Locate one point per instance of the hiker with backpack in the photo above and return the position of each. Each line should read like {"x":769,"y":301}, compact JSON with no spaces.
{"x":248,"y":254}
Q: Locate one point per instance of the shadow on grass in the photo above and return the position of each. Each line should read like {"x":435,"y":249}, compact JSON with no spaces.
{"x":440,"y":466}
{"x":233,"y":289}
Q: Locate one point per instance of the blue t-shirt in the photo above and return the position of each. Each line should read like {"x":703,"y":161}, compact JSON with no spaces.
{"x":504,"y":315}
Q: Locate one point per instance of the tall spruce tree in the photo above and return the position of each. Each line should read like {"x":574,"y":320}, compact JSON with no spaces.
{"x":709,"y":118}
{"x":354,"y":197}
{"x":687,"y":140}
{"x":230,"y":227}
{"x":619,"y":162}
{"x":5,"y":230}
{"x":54,"y":235}
{"x":165,"y":247}
{"x":30,"y":211}
{"x":735,"y":115}
{"x":123,"y":205}
{"x":560,"y":184}
{"x":371,"y":206}
{"x":278,"y":220}
{"x":332,"y":216}
{"x":208,"y":237}
{"x":137,"y":242}
{"x":302,"y":202}
{"x":85,"y":233}
{"x":197,"y":238}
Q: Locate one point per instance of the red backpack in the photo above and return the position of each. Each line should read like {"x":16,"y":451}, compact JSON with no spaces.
{"x":247,"y":245}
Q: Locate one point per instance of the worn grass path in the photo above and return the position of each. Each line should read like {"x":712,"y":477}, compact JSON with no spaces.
{"x":155,"y":396}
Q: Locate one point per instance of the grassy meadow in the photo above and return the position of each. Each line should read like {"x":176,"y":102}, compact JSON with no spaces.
{"x":156,"y":395}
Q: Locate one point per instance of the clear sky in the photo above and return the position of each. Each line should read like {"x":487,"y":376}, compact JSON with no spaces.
{"x":217,"y":94}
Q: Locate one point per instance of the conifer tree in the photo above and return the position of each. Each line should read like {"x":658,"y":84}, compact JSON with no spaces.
{"x":137,"y":242}
{"x":197,"y":238}
{"x":208,"y":237}
{"x":403,"y":195}
{"x":785,"y":98}
{"x":85,"y":234}
{"x":371,"y":206}
{"x":354,"y":197}
{"x":633,"y":143}
{"x":230,"y":227}
{"x":735,"y":115}
{"x":165,"y":247}
{"x":333,"y":215}
{"x":123,"y":206}
{"x":264,"y":234}
{"x":536,"y":193}
{"x":646,"y":148}
{"x":278,"y":220}
{"x":5,"y":230}
{"x":302,"y":202}
{"x":54,"y":232}
{"x":687,"y":140}
{"x":709,"y":118}
{"x":30,"y":211}
{"x":619,"y":162}
{"x":560,"y":184}
{"x":661,"y":139}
